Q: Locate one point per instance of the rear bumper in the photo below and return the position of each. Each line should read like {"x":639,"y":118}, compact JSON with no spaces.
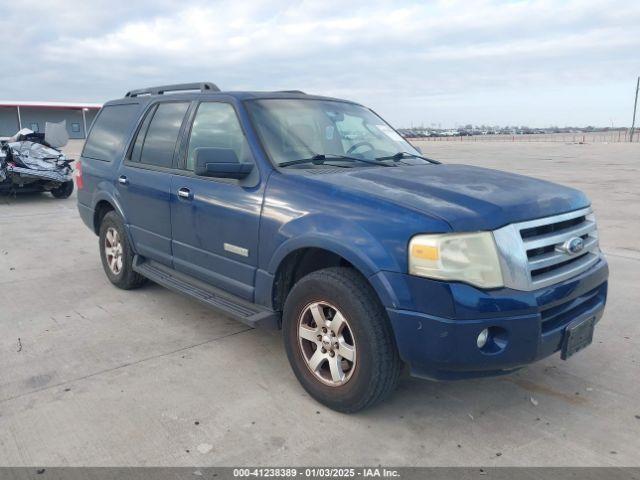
{"x":50,"y":175}
{"x":436,"y":324}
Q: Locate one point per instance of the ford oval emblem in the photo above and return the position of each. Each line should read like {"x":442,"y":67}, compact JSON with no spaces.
{"x":573,"y":246}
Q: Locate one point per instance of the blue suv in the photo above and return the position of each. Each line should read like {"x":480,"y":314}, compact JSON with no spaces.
{"x":313,"y":215}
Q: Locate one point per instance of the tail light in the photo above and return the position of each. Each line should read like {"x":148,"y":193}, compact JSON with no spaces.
{"x":79,"y":181}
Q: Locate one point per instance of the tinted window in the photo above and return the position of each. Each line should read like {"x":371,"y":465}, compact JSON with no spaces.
{"x":216,"y":126}
{"x":162,"y":134}
{"x":142,"y":132}
{"x":109,"y":132}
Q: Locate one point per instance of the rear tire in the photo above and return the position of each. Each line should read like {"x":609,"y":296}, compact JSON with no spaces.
{"x":64,"y":190}
{"x":116,"y":254}
{"x":347,"y":367}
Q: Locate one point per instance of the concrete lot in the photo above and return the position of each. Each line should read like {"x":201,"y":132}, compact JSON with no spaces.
{"x":92,"y":375}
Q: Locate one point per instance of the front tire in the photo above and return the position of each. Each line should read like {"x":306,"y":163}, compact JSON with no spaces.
{"x":339,"y":340}
{"x":116,"y":254}
{"x":64,"y":190}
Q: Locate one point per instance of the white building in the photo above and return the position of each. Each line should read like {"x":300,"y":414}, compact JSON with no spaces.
{"x":15,"y":115}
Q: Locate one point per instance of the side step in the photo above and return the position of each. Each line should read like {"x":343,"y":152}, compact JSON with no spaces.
{"x":248,"y":313}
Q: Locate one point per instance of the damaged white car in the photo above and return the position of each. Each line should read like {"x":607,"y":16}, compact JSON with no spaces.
{"x":32,"y":162}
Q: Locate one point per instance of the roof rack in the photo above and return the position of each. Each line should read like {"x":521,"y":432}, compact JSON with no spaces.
{"x":291,"y":91}
{"x":178,"y":87}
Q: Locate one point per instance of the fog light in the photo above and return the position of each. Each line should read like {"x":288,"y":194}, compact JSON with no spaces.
{"x":482,"y":338}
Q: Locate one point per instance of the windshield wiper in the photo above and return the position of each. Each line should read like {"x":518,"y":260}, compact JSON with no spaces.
{"x":400,"y":155}
{"x":320,"y":158}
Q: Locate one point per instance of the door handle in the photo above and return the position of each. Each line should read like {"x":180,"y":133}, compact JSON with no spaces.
{"x":184,"y":192}
{"x":122,"y":180}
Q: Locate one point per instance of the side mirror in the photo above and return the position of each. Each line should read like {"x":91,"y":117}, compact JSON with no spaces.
{"x":220,"y":163}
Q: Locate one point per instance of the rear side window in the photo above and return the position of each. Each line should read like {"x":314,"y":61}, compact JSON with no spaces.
{"x":157,"y":138}
{"x":142,"y":131}
{"x":109,"y":132}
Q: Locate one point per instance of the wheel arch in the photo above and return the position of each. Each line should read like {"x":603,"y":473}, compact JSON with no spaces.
{"x":104,"y":203}
{"x":102,"y":208}
{"x":295,"y":263}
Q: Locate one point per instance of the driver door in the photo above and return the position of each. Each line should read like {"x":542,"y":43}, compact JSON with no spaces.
{"x":214,"y":221}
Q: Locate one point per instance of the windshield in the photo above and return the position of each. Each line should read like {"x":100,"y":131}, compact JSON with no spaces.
{"x":295,"y":129}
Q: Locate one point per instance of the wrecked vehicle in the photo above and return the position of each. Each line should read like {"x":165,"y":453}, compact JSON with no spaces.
{"x":32,"y":162}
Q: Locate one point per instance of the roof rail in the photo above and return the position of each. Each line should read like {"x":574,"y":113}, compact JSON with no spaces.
{"x":291,"y":91}
{"x":178,"y":87}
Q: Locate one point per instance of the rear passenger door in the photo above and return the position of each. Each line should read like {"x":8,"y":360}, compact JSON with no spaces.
{"x":144,"y":180}
{"x":215,"y":228}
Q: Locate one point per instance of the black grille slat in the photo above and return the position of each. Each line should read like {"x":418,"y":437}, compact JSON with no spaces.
{"x":550,"y":268}
{"x":536,"y":252}
{"x":550,"y":228}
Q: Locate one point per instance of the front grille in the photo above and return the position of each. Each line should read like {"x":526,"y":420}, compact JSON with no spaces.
{"x":548,"y":261}
{"x":535,"y":254}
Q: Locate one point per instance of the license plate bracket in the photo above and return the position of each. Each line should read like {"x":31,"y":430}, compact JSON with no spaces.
{"x":577,"y":336}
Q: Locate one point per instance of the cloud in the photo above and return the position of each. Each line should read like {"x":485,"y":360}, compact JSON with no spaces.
{"x":415,"y":62}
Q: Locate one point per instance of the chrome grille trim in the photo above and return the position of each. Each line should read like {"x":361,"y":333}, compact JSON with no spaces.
{"x":521,"y":263}
{"x":566,"y":271}
{"x":553,"y":258}
{"x":556,"y":238}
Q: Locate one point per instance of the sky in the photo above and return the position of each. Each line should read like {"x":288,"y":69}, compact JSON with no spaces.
{"x":447,"y":63}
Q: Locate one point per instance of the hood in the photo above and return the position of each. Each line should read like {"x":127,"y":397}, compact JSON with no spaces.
{"x":468,"y":198}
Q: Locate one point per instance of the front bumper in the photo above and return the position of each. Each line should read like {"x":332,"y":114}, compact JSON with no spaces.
{"x":436,"y":324}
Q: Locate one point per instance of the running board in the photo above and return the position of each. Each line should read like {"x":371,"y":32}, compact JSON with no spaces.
{"x":248,"y":313}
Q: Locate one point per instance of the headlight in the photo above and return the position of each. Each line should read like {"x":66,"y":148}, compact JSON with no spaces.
{"x":463,"y":257}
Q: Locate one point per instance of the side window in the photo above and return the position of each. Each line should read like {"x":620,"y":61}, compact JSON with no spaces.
{"x":142,"y":132}
{"x":109,"y":132}
{"x":216,"y":126}
{"x":159,"y":140}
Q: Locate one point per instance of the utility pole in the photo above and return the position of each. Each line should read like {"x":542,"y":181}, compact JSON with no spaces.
{"x":635,"y":107}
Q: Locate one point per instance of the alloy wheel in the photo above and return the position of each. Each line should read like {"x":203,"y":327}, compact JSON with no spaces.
{"x":113,"y":250}
{"x":327,"y":343}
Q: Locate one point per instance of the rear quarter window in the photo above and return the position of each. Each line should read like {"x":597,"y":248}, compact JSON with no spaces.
{"x":162,"y":134}
{"x":110,"y":131}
